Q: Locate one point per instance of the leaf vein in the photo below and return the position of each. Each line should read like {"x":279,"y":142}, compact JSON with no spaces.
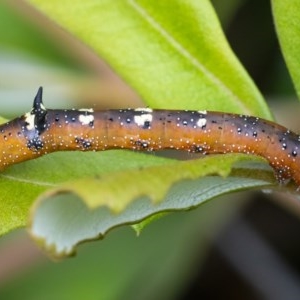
{"x":33,"y":182}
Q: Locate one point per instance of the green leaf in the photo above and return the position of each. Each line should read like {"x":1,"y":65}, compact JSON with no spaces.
{"x":286,"y":15}
{"x":173,"y":53}
{"x":21,"y":184}
{"x":60,"y":219}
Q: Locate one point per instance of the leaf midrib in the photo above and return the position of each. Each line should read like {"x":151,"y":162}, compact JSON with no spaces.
{"x":186,"y":54}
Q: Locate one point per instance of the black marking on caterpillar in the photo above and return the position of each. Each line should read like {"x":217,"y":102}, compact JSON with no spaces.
{"x":84,"y":143}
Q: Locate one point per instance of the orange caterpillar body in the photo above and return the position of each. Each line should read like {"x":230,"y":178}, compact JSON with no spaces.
{"x":42,"y":131}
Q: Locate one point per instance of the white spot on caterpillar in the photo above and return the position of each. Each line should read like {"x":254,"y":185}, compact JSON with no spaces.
{"x":29,"y":119}
{"x":142,"y":119}
{"x":201,"y":122}
{"x":203,"y":112}
{"x":90,"y":110}
{"x":42,"y":106}
{"x":145,"y":109}
{"x":86,"y":119}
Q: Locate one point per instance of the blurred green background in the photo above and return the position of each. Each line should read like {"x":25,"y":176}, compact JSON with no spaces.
{"x":224,"y":249}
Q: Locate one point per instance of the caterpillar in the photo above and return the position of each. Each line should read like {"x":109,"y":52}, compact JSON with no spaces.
{"x":43,"y":131}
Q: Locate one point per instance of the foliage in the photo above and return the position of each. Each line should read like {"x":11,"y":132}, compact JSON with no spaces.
{"x":175,"y":55}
